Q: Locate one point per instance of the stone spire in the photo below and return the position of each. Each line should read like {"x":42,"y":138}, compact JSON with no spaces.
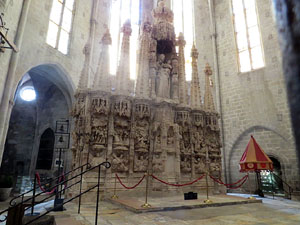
{"x":208,"y":97}
{"x":101,"y":80}
{"x":181,"y":72}
{"x":88,"y":48}
{"x":142,"y":85}
{"x":123,"y":72}
{"x":195,"y":84}
{"x":83,"y":80}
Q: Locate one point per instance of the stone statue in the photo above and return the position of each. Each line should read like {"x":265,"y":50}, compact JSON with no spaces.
{"x":164,"y":80}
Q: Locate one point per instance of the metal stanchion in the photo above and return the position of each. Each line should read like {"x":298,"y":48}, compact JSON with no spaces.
{"x":115,"y":196}
{"x":146,"y":204}
{"x":208,"y":201}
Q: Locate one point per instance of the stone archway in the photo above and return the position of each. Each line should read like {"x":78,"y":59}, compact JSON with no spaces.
{"x":271,"y":142}
{"x":29,"y":119}
{"x":272,"y":182}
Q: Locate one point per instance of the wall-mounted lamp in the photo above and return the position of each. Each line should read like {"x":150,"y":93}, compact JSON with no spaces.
{"x":5,"y":43}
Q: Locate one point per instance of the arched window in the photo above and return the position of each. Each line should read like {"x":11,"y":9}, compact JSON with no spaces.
{"x":45,"y":155}
{"x":60,"y":24}
{"x":120,"y":12}
{"x":184,"y":23}
{"x":248,"y":40}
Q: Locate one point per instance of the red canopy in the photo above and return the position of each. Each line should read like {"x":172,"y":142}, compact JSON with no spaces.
{"x":254,"y":158}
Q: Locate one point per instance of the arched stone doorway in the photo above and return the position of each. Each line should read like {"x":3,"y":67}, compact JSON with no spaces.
{"x":272,"y":182}
{"x":46,"y":149}
{"x":31,"y":117}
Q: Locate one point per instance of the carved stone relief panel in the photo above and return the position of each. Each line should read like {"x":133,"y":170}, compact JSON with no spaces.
{"x":185,"y":163}
{"x":99,"y":110}
{"x":200,"y":164}
{"x":197,"y":140}
{"x":157,"y":163}
{"x":171,"y":137}
{"x":79,"y":107}
{"x":141,"y":128}
{"x":140,"y":162}
{"x":185,"y":144}
{"x":78,"y":133}
{"x":100,"y":106}
{"x":158,"y":139}
{"x":99,"y":133}
{"x":215,"y":165}
{"x":120,"y":161}
{"x":198,"y":119}
{"x":122,"y":124}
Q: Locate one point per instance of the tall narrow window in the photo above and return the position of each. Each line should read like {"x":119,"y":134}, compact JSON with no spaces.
{"x":247,"y":32}
{"x":121,"y":11}
{"x":60,"y":24}
{"x":183,"y":22}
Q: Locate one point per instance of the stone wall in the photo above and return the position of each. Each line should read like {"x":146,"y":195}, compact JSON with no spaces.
{"x":254,"y":102}
{"x":34,"y":50}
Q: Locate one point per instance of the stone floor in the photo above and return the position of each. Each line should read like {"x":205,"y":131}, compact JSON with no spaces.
{"x":277,"y":211}
{"x":271,"y":211}
{"x":177,"y":202}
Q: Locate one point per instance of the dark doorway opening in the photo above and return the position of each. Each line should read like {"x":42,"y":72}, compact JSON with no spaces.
{"x":45,"y":155}
{"x":272,"y":182}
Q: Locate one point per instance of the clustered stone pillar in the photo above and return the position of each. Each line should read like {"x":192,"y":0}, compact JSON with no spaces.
{"x":288,"y":21}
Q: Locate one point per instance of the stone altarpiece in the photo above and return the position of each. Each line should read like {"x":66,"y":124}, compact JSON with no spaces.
{"x":157,"y":129}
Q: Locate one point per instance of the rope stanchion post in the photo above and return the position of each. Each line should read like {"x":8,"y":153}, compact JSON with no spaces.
{"x":207,"y":201}
{"x":146,"y":204}
{"x":115,"y":188}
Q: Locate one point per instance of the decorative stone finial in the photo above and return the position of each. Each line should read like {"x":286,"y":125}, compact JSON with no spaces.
{"x":126,"y":29}
{"x":163,"y":13}
{"x":208,"y":70}
{"x":106,"y":39}
{"x":180,"y":40}
{"x":208,"y":97}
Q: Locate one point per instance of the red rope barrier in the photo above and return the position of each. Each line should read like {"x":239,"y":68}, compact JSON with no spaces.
{"x":243,"y":180}
{"x":38,"y":178}
{"x":239,"y":185}
{"x":178,"y":185}
{"x":132,"y":186}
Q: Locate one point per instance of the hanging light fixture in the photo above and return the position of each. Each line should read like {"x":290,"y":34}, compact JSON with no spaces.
{"x":5,"y":43}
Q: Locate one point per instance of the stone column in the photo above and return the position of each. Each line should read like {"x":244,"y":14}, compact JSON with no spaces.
{"x":288,"y":22}
{"x":6,"y":103}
